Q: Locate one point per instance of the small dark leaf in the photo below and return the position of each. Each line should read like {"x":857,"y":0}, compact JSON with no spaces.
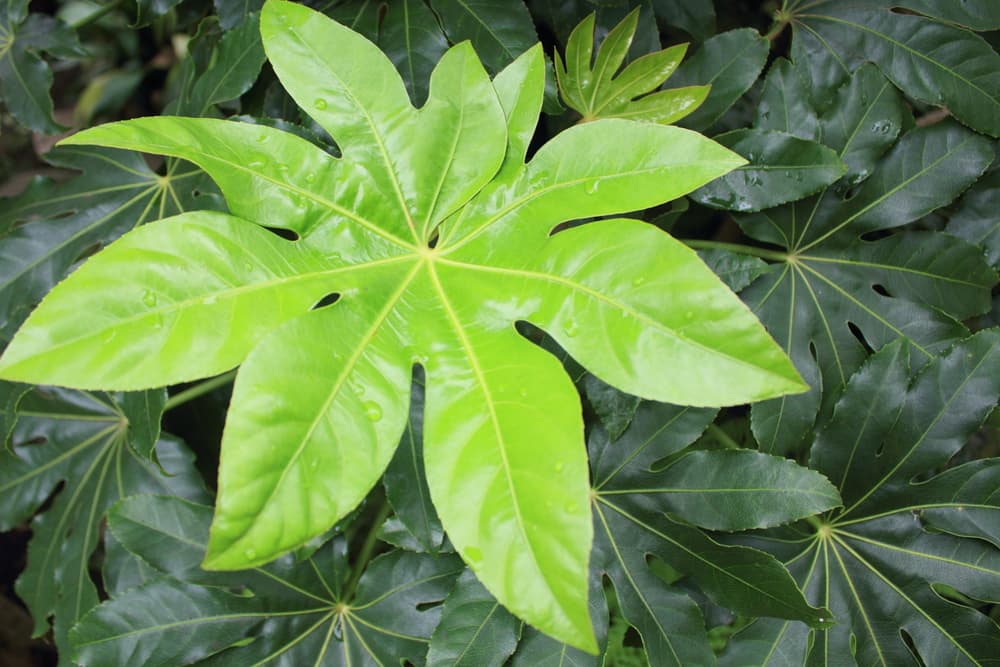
{"x":499,"y":31}
{"x":782,"y":168}
{"x":475,"y":631}
{"x":730,"y":62}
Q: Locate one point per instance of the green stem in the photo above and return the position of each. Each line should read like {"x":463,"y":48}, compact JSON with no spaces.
{"x":724,"y":438}
{"x":97,"y":14}
{"x":194,"y":392}
{"x":367,"y":548}
{"x":763,"y":253}
{"x":814,"y":522}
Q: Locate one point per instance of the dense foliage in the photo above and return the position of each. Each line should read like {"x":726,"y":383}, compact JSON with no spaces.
{"x":392,"y":244}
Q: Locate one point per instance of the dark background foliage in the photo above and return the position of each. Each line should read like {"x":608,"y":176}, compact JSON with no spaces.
{"x":868,"y":213}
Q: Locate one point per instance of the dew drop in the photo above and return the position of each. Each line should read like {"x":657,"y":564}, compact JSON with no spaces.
{"x":571,"y":329}
{"x":638,"y":281}
{"x":281,"y":167}
{"x":261,"y":138}
{"x":256,"y":164}
{"x":571,"y":507}
{"x":310,"y":177}
{"x":314,"y":464}
{"x":560,"y":466}
{"x":592,"y":187}
{"x":523,"y":393}
{"x":110,"y":337}
{"x":320,"y":103}
{"x":473,"y":555}
{"x":250,"y":553}
{"x":248,"y":266}
{"x":689,"y":315}
{"x":373,"y":411}
{"x":149,"y":299}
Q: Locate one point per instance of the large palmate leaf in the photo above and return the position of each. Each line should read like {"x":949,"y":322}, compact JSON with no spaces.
{"x":25,"y":79}
{"x":885,"y":563}
{"x":50,"y":227}
{"x":296,"y":613}
{"x":836,"y":293}
{"x":593,"y":86}
{"x":435,"y":237}
{"x":928,"y":60}
{"x":640,"y":513}
{"x":82,"y":442}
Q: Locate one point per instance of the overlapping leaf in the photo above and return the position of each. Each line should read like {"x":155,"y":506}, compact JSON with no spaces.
{"x":837,"y":293}
{"x":25,"y":78}
{"x":50,"y":227}
{"x":435,"y":235}
{"x":882,"y":562}
{"x":593,"y":86}
{"x":294,"y":612}
{"x":81,"y":441}
{"x":930,"y":61}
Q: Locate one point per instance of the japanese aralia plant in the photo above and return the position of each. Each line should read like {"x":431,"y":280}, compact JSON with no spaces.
{"x":437,"y":239}
{"x":419,"y":302}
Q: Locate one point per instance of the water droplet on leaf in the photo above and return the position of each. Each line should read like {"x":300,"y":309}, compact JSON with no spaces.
{"x":560,"y":466}
{"x":571,"y":329}
{"x":250,"y":553}
{"x":320,"y":103}
{"x":638,"y":281}
{"x":149,"y":299}
{"x":310,"y":177}
{"x":592,"y":187}
{"x":373,"y":411}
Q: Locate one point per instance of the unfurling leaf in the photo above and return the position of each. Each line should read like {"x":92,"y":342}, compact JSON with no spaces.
{"x":595,"y":90}
{"x":435,"y":238}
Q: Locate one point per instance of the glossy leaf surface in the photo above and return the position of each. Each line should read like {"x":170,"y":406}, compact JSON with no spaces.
{"x":80,"y":441}
{"x":294,"y":611}
{"x":474,"y":630}
{"x":50,"y":227}
{"x":838,"y":294}
{"x":930,"y":61}
{"x":435,"y":235}
{"x":593,"y":85}
{"x":877,"y":563}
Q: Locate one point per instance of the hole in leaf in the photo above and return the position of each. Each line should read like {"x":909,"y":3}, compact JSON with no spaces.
{"x":88,"y":251}
{"x":813,"y":352}
{"x":875,"y":235}
{"x":860,"y":337}
{"x":36,"y":441}
{"x":327,"y":300}
{"x":911,"y":647}
{"x":434,"y":239}
{"x":424,"y":606}
{"x":632,"y":637}
{"x":880,"y":289}
{"x":287,"y":234}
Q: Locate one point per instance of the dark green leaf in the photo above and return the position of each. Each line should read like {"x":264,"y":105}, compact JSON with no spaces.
{"x":782,"y":168}
{"x":736,"y":490}
{"x":144,"y":410}
{"x":65,"y":222}
{"x":784,"y":103}
{"x":614,"y":408}
{"x":475,"y":631}
{"x":232,"y":13}
{"x":876,"y":563}
{"x":897,"y":285}
{"x":80,"y":440}
{"x":499,"y":30}
{"x":696,"y":17}
{"x":974,"y":14}
{"x":10,"y":395}
{"x":149,"y":10}
{"x":975,"y":217}
{"x":929,"y":61}
{"x":25,"y":79}
{"x":730,"y":62}
{"x":410,"y":35}
{"x":406,"y":484}
{"x":735,"y":269}
{"x":231,"y":69}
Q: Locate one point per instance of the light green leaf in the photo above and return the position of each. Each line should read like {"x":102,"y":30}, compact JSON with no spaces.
{"x":599,"y":90}
{"x":429,"y":251}
{"x":474,"y":630}
{"x":782,"y":168}
{"x":79,"y":440}
{"x":929,"y":61}
{"x":729,"y":62}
